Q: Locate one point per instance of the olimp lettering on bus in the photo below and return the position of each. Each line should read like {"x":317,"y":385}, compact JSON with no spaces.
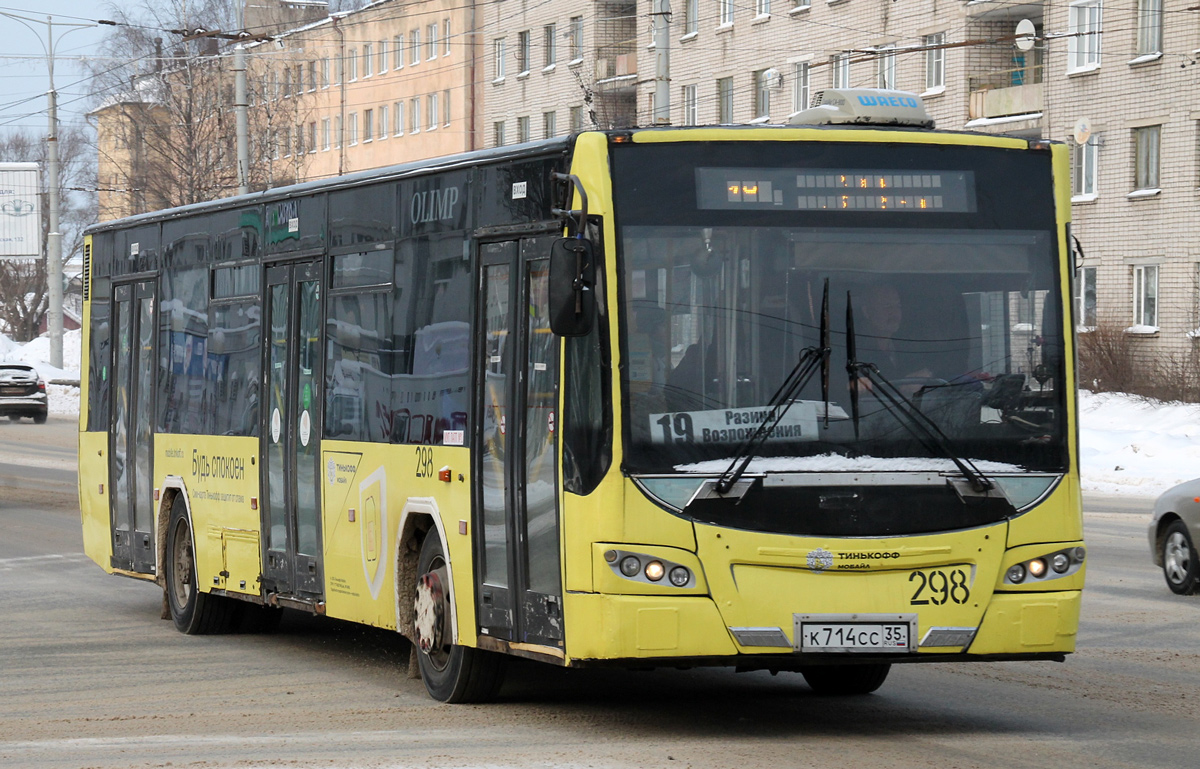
{"x":433,"y":205}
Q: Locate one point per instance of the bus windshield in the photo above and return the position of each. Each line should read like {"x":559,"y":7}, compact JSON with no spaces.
{"x":954,"y":297}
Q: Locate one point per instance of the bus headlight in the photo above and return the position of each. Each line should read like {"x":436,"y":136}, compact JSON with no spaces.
{"x":1016,"y":574}
{"x":1061,"y":563}
{"x":630,"y":566}
{"x":649,"y":569}
{"x":680,"y":576}
{"x":655,"y":571}
{"x":1037,"y":568}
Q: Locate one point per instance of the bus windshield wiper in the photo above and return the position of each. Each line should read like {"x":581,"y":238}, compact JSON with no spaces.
{"x":918,"y":424}
{"x":811,"y":360}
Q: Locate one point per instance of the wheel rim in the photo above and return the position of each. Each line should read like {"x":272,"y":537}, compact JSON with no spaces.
{"x":183,"y":561}
{"x":431,"y":617}
{"x":1177,"y":557}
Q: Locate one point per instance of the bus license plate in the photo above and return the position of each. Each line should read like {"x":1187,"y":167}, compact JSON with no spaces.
{"x":855,"y":633}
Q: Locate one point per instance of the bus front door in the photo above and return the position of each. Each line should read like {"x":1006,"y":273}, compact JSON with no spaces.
{"x":290,"y":434}
{"x":517,"y":524}
{"x":132,"y":428}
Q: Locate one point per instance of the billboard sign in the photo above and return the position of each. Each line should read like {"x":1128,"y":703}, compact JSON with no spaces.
{"x":20,"y":210}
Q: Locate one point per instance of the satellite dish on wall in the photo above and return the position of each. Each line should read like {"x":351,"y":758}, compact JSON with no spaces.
{"x":1026,"y":34}
{"x":1083,"y":131}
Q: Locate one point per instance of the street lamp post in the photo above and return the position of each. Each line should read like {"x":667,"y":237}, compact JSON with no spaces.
{"x":54,"y":273}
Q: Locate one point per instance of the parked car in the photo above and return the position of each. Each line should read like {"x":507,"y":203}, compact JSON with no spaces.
{"x":1173,"y":533}
{"x":22,"y":392}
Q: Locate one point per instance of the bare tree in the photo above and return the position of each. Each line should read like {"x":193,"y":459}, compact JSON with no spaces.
{"x":23,"y":289}
{"x":166,"y":120}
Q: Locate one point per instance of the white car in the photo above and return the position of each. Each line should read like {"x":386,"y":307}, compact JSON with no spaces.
{"x":1173,"y":534}
{"x":22,"y":392}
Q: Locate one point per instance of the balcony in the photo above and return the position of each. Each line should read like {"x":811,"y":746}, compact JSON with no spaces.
{"x":1007,"y":93}
{"x":1000,"y":10}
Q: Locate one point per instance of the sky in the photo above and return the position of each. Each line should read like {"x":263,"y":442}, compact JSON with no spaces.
{"x":1130,"y":446}
{"x":23,"y":73}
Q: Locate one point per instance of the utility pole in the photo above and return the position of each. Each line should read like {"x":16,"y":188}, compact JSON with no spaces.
{"x":662,"y":62}
{"x":54,"y":272}
{"x":241,"y":105}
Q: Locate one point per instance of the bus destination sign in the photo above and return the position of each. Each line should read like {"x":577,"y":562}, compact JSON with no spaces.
{"x":835,"y":189}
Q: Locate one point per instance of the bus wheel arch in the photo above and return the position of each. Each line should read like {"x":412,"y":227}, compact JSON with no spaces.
{"x":419,"y":517}
{"x":172,"y":488}
{"x":193,"y":612}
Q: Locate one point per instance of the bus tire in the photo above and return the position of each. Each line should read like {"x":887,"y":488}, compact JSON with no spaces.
{"x":845,"y":680}
{"x":193,"y":612}
{"x":1181,"y":565}
{"x":451,"y":673}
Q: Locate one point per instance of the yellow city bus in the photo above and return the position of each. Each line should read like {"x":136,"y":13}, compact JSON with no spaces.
{"x":790,"y":398}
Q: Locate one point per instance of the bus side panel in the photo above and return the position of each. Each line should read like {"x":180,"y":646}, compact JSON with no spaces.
{"x":643,"y":626}
{"x":221,"y":477}
{"x":1057,"y":519}
{"x":365,"y":489}
{"x":93,"y":494}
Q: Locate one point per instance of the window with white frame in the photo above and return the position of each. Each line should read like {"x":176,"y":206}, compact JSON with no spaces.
{"x":549,"y":45}
{"x":368,"y":125}
{"x":498,"y":57}
{"x":384,"y":127}
{"x":446,"y":107}
{"x":691,"y":17}
{"x":1149,"y":27}
{"x":414,"y":115}
{"x":352,"y":64}
{"x":398,"y":108}
{"x":414,"y":47}
{"x":1085,"y":298}
{"x":762,"y":95}
{"x":762,"y":7}
{"x":325,"y":73}
{"x":432,"y":118}
{"x":549,"y":124}
{"x":352,"y":129}
{"x":935,"y":61}
{"x":312,"y":75}
{"x":522,"y":129}
{"x":576,"y":119}
{"x":398,"y":52}
{"x":1145,"y":295}
{"x":1145,"y":151}
{"x":1083,"y":168}
{"x":840,"y":66}
{"x":431,"y":45}
{"x":446,"y":38}
{"x":498,"y":133}
{"x":576,"y":38}
{"x":797,"y":4}
{"x":885,"y":67}
{"x":725,"y":100}
{"x":801,"y":86}
{"x":690,"y":116}
{"x":312,"y":136}
{"x":383,"y":56}
{"x":368,"y":60}
{"x":725,"y":11}
{"x":325,"y":134}
{"x":1084,"y":28}
{"x":523,"y":52}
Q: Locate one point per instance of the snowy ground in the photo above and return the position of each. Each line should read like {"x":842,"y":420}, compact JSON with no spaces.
{"x":1129,"y":445}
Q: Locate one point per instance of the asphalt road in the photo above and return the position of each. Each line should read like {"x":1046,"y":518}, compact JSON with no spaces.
{"x":91,"y":677}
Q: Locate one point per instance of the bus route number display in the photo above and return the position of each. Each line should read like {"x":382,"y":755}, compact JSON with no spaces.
{"x":716,"y":426}
{"x":835,"y":189}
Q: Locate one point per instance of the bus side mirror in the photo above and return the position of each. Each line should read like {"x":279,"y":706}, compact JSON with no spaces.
{"x":572,"y":286}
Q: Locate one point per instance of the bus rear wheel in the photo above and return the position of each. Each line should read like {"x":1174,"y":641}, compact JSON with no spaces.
{"x":845,"y":680}
{"x":193,"y":612}
{"x":451,"y":673}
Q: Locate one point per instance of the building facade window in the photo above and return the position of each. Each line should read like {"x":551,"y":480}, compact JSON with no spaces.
{"x":398,"y":52}
{"x":325,"y":73}
{"x":801,"y":86}
{"x":398,"y":108}
{"x":762,"y":95}
{"x":1084,"y":27}
{"x":725,"y":11}
{"x":935,"y":61}
{"x":522,"y":129}
{"x":523,"y":53}
{"x":383,"y":56}
{"x":576,"y":119}
{"x":498,"y":57}
{"x":840,"y":66}
{"x":1145,"y":150}
{"x":885,"y":67}
{"x":725,"y":100}
{"x":368,"y":125}
{"x":799,"y":4}
{"x":1085,"y":297}
{"x":352,"y":65}
{"x":384,"y":127}
{"x":691,"y":17}
{"x":414,"y":115}
{"x":690,"y":116}
{"x":1149,"y":27}
{"x":431,"y":45}
{"x":576,"y":39}
{"x":432,"y":103}
{"x":446,"y":38}
{"x":1145,"y":295}
{"x":368,"y":60}
{"x":498,"y":133}
{"x":762,"y":7}
{"x":312,"y":136}
{"x":1083,"y":169}
{"x":549,"y":127}
{"x":446,"y":107}
{"x":549,"y":45}
{"x":325,"y":134}
{"x":352,"y":129}
{"x":312,"y":76}
{"x":414,"y":47}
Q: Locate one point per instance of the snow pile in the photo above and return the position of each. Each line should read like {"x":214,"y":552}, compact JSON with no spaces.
{"x":37,"y":352}
{"x":1131,"y":445}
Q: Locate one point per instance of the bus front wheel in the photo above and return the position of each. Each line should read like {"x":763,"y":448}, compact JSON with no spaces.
{"x":193,"y":612}
{"x":844,"y":680}
{"x":451,"y":673}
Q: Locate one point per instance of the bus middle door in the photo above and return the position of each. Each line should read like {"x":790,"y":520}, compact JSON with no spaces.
{"x":517,"y":523}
